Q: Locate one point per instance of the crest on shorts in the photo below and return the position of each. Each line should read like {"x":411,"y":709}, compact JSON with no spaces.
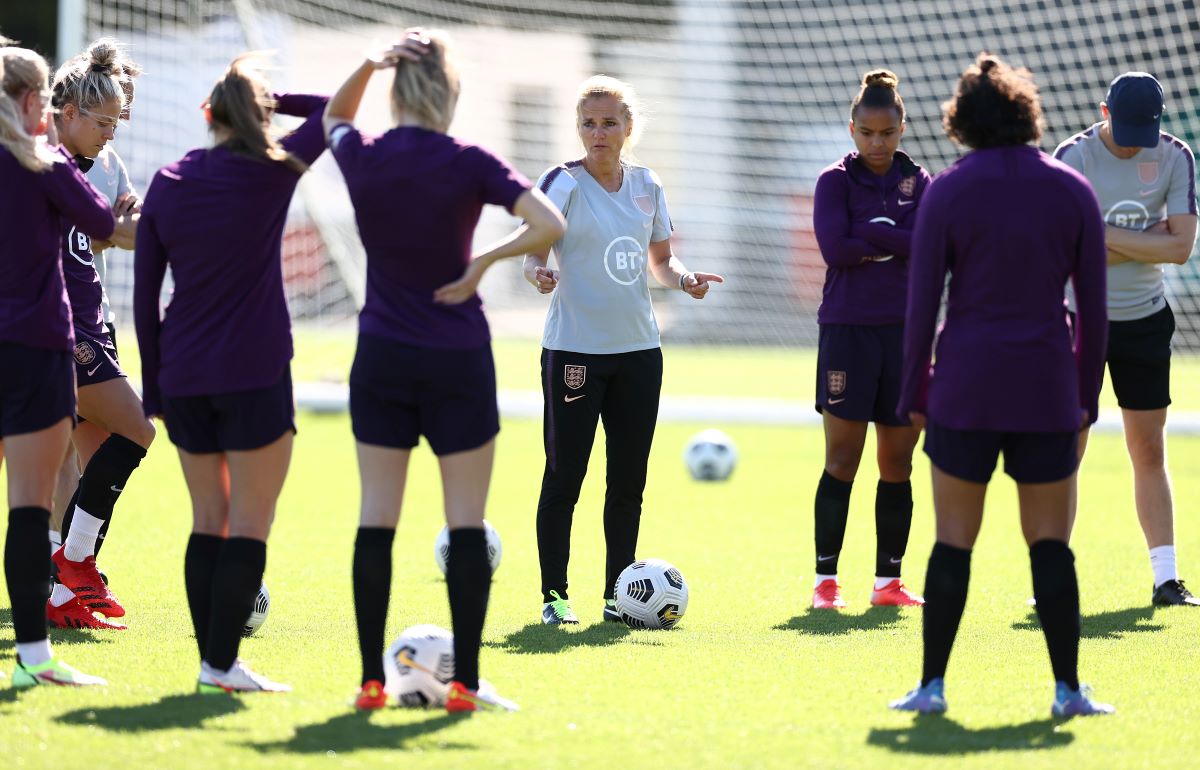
{"x":84,"y":353}
{"x":908,"y":186}
{"x":836,"y":382}
{"x":574,"y":376}
{"x":1148,"y":172}
{"x":645,"y":204}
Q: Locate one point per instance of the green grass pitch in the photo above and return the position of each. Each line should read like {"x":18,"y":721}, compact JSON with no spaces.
{"x":749,"y":679}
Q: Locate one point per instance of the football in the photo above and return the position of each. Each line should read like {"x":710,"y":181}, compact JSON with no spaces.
{"x":710,"y":456}
{"x":651,"y":593}
{"x":441,"y":547}
{"x":258,"y":615}
{"x":419,"y":666}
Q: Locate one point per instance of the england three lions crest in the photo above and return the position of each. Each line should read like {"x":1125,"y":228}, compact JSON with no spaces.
{"x":1148,"y":172}
{"x":908,"y":186}
{"x":574,"y":376}
{"x":836,"y":382}
{"x":84,"y":354}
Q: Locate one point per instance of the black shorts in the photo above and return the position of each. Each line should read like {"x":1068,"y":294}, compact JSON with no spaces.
{"x":231,"y":422}
{"x":1139,"y":360}
{"x":1029,"y":458}
{"x":95,"y":361}
{"x":858,"y":372}
{"x":399,"y":393}
{"x":37,"y":388}
{"x":112,"y":338}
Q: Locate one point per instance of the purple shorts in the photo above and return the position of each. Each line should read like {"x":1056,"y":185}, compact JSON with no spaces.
{"x":858,"y":372}
{"x":37,"y":388}
{"x":1029,"y":458}
{"x":399,"y":393}
{"x":231,"y":422}
{"x":95,"y":361}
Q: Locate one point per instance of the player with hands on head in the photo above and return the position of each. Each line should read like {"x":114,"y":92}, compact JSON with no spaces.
{"x":601,"y":355}
{"x":423,"y":364}
{"x":1146,"y":181}
{"x":217,"y":365}
{"x":1013,"y":226}
{"x":42,"y":189}
{"x":864,"y":209}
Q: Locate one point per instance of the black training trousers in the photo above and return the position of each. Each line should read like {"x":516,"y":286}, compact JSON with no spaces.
{"x":622,"y":389}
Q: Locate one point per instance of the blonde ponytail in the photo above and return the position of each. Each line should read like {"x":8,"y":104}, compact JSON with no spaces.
{"x":241,"y":103}
{"x":21,"y":71}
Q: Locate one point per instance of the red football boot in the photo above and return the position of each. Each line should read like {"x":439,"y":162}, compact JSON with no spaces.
{"x":85,"y":582}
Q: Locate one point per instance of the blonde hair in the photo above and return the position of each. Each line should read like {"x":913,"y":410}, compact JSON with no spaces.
{"x":92,"y":78}
{"x":631,"y":108}
{"x":22,"y":71}
{"x":241,"y":103}
{"x":429,"y":88}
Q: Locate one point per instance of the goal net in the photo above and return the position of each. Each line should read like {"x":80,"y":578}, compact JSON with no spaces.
{"x":748,"y":100}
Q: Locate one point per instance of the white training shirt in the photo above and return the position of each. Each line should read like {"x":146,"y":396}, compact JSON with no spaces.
{"x":109,"y":176}
{"x":602,"y":302}
{"x":1135,"y":193}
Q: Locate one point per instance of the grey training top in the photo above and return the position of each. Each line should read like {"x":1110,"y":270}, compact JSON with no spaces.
{"x":602,"y":301}
{"x":1135,"y":193}
{"x":108,"y":175}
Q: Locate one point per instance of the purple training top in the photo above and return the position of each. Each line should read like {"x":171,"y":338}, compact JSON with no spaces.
{"x":417,"y":196}
{"x":216,"y":218}
{"x":1011,"y":225}
{"x":34,"y":310}
{"x":83,"y":284}
{"x":863,"y":224}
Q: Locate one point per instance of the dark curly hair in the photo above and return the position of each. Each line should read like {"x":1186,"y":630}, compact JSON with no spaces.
{"x":995,"y":105}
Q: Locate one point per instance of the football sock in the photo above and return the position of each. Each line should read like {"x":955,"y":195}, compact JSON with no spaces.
{"x":55,"y":540}
{"x":946,"y":583}
{"x":468,"y":581}
{"x":102,"y":482}
{"x":199,"y":563}
{"x":1056,"y":589}
{"x":34,"y":653}
{"x":883,"y":582}
{"x":1162,"y":561}
{"x":81,"y":542}
{"x":822,"y":578}
{"x":25,"y":571}
{"x":893,"y":520}
{"x":235,"y":585}
{"x":60,"y":595}
{"x":830,"y":513}
{"x":372,"y":577}
{"x":68,"y":515}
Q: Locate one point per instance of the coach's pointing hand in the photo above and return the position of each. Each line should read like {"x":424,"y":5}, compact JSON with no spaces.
{"x":696,"y":285}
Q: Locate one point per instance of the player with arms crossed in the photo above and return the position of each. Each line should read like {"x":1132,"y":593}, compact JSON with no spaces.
{"x":1146,"y":181}
{"x":601,"y":355}
{"x":423,"y":365}
{"x":217,"y":366}
{"x":1012,"y":225}
{"x":42,"y":189}
{"x":864,"y":209}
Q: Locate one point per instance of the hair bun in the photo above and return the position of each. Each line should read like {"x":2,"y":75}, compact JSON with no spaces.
{"x":103,"y":56}
{"x":987,"y":62}
{"x":881,"y":78}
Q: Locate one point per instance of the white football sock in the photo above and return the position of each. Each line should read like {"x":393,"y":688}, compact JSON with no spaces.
{"x":61,"y":595}
{"x":1162,"y":561}
{"x":822,"y":578}
{"x":55,"y":540}
{"x":81,"y":540}
{"x":34,"y":653}
{"x":882,"y":582}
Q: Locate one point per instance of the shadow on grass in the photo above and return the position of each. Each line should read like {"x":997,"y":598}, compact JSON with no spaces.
{"x":1113,"y":624}
{"x":538,"y":638}
{"x":935,"y":734}
{"x":183,"y":710}
{"x":354,"y":732}
{"x":7,"y":642}
{"x":836,"y":623}
{"x":58,"y":636}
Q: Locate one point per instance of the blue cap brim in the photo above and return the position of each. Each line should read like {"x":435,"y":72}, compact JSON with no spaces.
{"x":1131,"y":135}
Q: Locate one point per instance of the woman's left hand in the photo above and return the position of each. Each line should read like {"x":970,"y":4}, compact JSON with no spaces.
{"x":696,"y":285}
{"x":463,"y":289}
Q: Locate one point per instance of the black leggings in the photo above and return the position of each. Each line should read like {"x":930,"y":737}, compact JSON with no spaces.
{"x":622,"y":389}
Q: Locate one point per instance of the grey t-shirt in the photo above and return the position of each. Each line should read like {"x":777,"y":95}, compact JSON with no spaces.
{"x":109,"y":176}
{"x":1135,"y":193}
{"x":602,"y":301}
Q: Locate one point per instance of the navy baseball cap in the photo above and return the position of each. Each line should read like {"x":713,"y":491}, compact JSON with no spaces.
{"x":1135,"y":106}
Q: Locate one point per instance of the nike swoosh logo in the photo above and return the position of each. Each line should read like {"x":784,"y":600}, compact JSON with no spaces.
{"x":905,"y":203}
{"x":94,"y":369}
{"x":833,"y":401}
{"x":895,"y":561}
{"x":404,"y":660}
{"x":825,"y":558}
{"x":569,"y":399}
{"x":117,"y":489}
{"x":1144,"y":193}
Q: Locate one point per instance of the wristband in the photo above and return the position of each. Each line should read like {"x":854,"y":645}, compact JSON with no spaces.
{"x":682,"y":279}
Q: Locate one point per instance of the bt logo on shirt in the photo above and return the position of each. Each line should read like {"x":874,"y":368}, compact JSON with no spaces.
{"x":1129,"y":215}
{"x":623,"y":260}
{"x":80,"y":247}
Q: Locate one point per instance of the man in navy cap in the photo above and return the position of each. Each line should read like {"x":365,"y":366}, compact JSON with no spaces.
{"x":1146,"y":182}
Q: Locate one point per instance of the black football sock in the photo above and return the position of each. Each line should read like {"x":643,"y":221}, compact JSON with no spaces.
{"x":1056,"y":590}
{"x":235,"y":585}
{"x":893,"y":520}
{"x":199,"y":563}
{"x":372,"y":576}
{"x":469,"y":581}
{"x":946,"y":583}
{"x":69,"y":514}
{"x":25,"y":547}
{"x":103,"y":480}
{"x":830,"y":512}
